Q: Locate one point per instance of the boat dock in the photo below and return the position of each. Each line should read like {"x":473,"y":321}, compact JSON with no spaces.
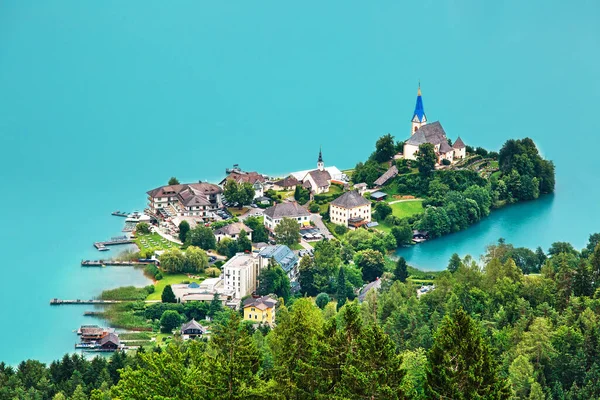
{"x":102,"y":246}
{"x":112,"y":263}
{"x":120,"y":214}
{"x":57,"y":302}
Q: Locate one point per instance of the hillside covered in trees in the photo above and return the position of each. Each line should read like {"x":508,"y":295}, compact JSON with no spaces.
{"x":487,"y":331}
{"x":458,"y":195}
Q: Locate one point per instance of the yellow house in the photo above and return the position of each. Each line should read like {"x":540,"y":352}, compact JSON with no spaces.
{"x":260,"y":310}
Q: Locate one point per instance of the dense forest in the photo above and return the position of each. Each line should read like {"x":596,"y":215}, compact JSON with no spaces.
{"x":487,"y":331}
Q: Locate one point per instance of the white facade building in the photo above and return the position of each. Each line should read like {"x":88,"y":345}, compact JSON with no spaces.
{"x":273,"y":215}
{"x":350,"y":209}
{"x":241,"y":274}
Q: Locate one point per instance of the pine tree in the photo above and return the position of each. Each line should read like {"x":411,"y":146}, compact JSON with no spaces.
{"x":401,"y":272}
{"x":342,"y":292}
{"x":215,"y":306}
{"x":536,"y":392}
{"x":582,"y":281}
{"x":79,"y":394}
{"x":167,"y":295}
{"x":231,"y":362}
{"x":461,"y":364}
{"x":454,"y":263}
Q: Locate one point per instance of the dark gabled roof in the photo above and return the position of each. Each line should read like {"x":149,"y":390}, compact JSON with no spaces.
{"x":111,"y":337}
{"x":350,"y":199}
{"x":199,"y":189}
{"x":290,"y":210}
{"x":389,"y":174}
{"x":459,"y":144}
{"x":321,"y":178}
{"x":376,"y":284}
{"x":431,"y":133}
{"x":262,"y":302}
{"x":242,"y":176}
{"x":445,"y":147}
{"x":192,"y":325}
{"x":287,"y":182}
{"x":233,"y":229}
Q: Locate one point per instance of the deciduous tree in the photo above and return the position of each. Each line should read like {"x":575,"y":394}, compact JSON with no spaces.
{"x":287,"y":231}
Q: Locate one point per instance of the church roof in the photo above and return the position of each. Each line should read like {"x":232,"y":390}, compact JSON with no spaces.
{"x":459,"y":144}
{"x":445,"y":148}
{"x":431,"y":133}
{"x":419,"y":113}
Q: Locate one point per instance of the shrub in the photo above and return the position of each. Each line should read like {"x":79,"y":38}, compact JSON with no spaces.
{"x":322,"y":300}
{"x":213,"y":272}
{"x":143,"y":227}
{"x":158,"y":276}
{"x":314,"y":207}
{"x":340,"y":229}
{"x":169,"y":320}
{"x":446,"y":162}
{"x":392,"y":220}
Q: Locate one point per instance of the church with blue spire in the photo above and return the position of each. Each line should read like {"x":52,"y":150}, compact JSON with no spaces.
{"x":422,"y":132}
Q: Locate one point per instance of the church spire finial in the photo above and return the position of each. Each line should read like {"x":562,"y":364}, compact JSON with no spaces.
{"x":419,"y":117}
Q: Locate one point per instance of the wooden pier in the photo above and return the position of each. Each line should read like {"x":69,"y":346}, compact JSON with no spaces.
{"x":112,"y":263}
{"x":58,"y":302}
{"x":120,"y":214}
{"x":112,"y":242}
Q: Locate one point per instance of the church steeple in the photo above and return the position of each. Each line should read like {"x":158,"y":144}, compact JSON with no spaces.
{"x":320,"y":164}
{"x":419,"y":117}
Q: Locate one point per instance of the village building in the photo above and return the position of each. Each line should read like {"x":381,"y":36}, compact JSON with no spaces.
{"x":192,"y":329}
{"x":241,"y":274}
{"x":92,"y":333}
{"x":283,"y":256}
{"x":288,"y":183}
{"x":110,"y":342}
{"x":378,"y":196}
{"x":203,"y":292}
{"x":424,"y":132}
{"x":257,"y":180}
{"x":375,"y":285}
{"x":260,"y":310}
{"x":387,"y":175}
{"x":361,"y":188}
{"x":319,"y":180}
{"x":197,"y":200}
{"x":274,"y":214}
{"x":350,"y":209}
{"x":232,"y":231}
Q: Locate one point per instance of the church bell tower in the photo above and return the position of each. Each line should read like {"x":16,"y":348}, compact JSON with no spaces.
{"x":320,"y":164}
{"x":419,"y":119}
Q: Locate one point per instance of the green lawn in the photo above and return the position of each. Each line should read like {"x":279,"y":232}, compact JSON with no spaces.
{"x":296,"y":246}
{"x":407,"y":208}
{"x":154,"y":241}
{"x":170,"y":279}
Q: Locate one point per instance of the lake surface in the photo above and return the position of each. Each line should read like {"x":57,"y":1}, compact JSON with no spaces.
{"x":102,"y":101}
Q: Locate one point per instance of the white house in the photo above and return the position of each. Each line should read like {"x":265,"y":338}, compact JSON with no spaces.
{"x":232,"y":231}
{"x":241,"y":273}
{"x":274,"y":214}
{"x":350,"y":209}
{"x":186,"y":200}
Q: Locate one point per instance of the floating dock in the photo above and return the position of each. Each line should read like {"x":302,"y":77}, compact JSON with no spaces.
{"x":57,"y":302}
{"x":106,"y":263}
{"x":102,"y":246}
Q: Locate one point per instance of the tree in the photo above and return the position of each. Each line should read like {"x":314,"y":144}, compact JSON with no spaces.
{"x":172,"y":261}
{"x":231,"y":362}
{"x":273,"y":279}
{"x":306,"y":276}
{"x":414,"y":367}
{"x":461,"y":365}
{"x":454,"y":263}
{"x":231,"y":191}
{"x":301,"y":195}
{"x":537,"y":393}
{"x":203,"y":237}
{"x":402,"y":233}
{"x":216,"y":305}
{"x":401,"y":272}
{"x":384,"y":148}
{"x":287,"y":231}
{"x":382,"y":210}
{"x":167,"y":295}
{"x":173,"y":181}
{"x":583,"y":282}
{"x":259,"y":232}
{"x":595,"y":266}
{"x":426,"y":159}
{"x":169,"y":320}
{"x":243,"y":243}
{"x":367,"y":172}
{"x":342,"y":288}
{"x":184,"y":228}
{"x":372,"y":264}
{"x":227,"y":247}
{"x":245,"y":194}
{"x":196,"y":260}
{"x":79,"y":394}
{"x":322,"y":300}
{"x":143,"y":228}
{"x":521,"y":375}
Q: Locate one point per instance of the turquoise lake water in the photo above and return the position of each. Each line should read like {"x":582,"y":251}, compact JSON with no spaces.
{"x":102,"y":101}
